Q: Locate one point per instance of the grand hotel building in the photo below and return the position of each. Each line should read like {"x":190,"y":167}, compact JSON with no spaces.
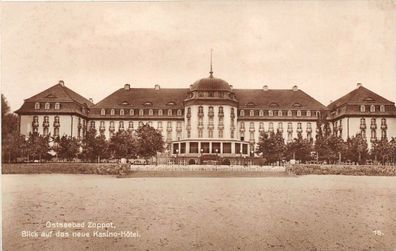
{"x":209,"y":117}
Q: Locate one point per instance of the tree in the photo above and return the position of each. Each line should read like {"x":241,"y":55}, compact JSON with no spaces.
{"x":357,"y":150}
{"x":299,"y":149}
{"x":123,"y":145}
{"x":9,"y":132}
{"x":381,"y":150}
{"x":330,"y":147}
{"x":94,"y":147}
{"x":149,"y":141}
{"x":38,"y":146}
{"x":68,"y":148}
{"x":271,"y":146}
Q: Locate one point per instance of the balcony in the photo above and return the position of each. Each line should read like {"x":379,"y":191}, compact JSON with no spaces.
{"x":363,"y":126}
{"x":261,"y":129}
{"x":46,"y":124}
{"x":112,"y":129}
{"x":102,"y":129}
{"x":211,"y":114}
{"x":200,"y":114}
{"x":373,"y":126}
{"x":221,"y":114}
{"x":56,"y":124}
{"x":384,"y":127}
{"x":178,"y":129}
{"x":289,"y":130}
{"x":251,"y":129}
{"x":220,"y":127}
{"x":309,"y":130}
{"x":210,"y":126}
{"x":242,"y":130}
{"x":299,"y":130}
{"x":271,"y":130}
{"x":280,"y":130}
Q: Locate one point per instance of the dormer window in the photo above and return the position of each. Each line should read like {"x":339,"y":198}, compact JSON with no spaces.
{"x":151,"y":112}
{"x":131,"y":112}
{"x":242,"y":113}
{"x":125,"y":103}
{"x":122,"y":112}
{"x":296,"y":105}
{"x":251,"y":113}
{"x":102,"y":112}
{"x":372,"y":108}
{"x":362,"y":108}
{"x":280,"y":114}
{"x":37,"y":106}
{"x":160,"y":112}
{"x":148,"y":103}
{"x":171,"y":103}
{"x":179,"y":112}
{"x":298,"y":113}
{"x":289,"y":113}
{"x":382,"y":108}
{"x":261,"y":113}
{"x":47,"y":106}
{"x":169,"y":112}
{"x":57,"y":106}
{"x":308,"y":113}
{"x":270,"y":113}
{"x":141,"y":112}
{"x":112,"y":112}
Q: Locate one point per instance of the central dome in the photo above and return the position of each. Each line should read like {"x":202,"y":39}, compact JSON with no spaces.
{"x":210,"y":84}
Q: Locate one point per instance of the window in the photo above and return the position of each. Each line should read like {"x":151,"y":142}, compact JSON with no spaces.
{"x":179,"y":112}
{"x":130,"y":126}
{"x":298,"y":113}
{"x":159,"y":125}
{"x":382,"y":108}
{"x":141,"y":112}
{"x":251,"y":126}
{"x":289,"y":113}
{"x":112,"y":112}
{"x":210,"y":133}
{"x":261,"y":113}
{"x":261,"y":127}
{"x":151,"y":112}
{"x":200,"y":133}
{"x":169,"y":125}
{"x":141,"y":123}
{"x":47,"y":106}
{"x":221,"y":111}
{"x":121,"y":125}
{"x":271,"y":127}
{"x":169,"y":112}
{"x":280,"y":127}
{"x":362,"y":108}
{"x":122,"y":112}
{"x":309,"y":114}
{"x":131,"y":112}
{"x":92,"y":124}
{"x":372,"y":108}
{"x":56,"y":131}
{"x":270,"y":113}
{"x":251,"y":113}
{"x":37,"y":106}
{"x":160,"y":112}
{"x":280,"y":113}
{"x":220,"y":133}
{"x":57,"y":106}
{"x":242,"y":113}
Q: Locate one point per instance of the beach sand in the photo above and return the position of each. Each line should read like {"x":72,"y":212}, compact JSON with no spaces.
{"x":240,"y":213}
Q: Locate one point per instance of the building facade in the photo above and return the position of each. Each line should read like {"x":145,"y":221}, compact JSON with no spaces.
{"x":208,"y":118}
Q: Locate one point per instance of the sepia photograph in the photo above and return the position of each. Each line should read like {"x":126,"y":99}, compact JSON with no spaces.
{"x":198,"y":125}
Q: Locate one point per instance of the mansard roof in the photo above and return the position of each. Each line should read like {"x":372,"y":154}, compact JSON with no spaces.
{"x":276,"y":99}
{"x":71,"y":102}
{"x":145,"y":98}
{"x":360,"y":95}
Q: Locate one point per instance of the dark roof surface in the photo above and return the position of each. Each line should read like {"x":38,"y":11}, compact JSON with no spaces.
{"x":140,"y":97}
{"x":359,"y":95}
{"x":59,"y":93}
{"x":276,"y":98}
{"x":211,"y":83}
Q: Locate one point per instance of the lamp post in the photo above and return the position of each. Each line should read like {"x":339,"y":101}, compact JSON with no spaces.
{"x":240,"y":151}
{"x":177,"y":153}
{"x":252,"y":156}
{"x":217,"y":151}
{"x":200,"y":156}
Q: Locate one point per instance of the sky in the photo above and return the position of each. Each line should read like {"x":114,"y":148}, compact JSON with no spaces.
{"x":324,"y":47}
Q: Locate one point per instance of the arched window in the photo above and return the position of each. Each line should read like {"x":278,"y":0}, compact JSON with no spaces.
{"x":37,"y":106}
{"x":270,"y":113}
{"x":261,"y":113}
{"x":151,"y":112}
{"x":141,"y":112}
{"x":280,"y":113}
{"x":169,"y":112}
{"x":372,"y":108}
{"x":179,"y":112}
{"x":308,"y":113}
{"x":298,"y":113}
{"x":221,"y":111}
{"x":251,"y":113}
{"x":57,"y":106}
{"x":362,"y":108}
{"x":131,"y":112}
{"x":289,"y":113}
{"x":382,"y":108}
{"x":200,"y":109}
{"x":242,"y":113}
{"x":92,"y":124}
{"x":122,"y":112}
{"x":112,"y":112}
{"x":47,"y":106}
{"x":160,"y":112}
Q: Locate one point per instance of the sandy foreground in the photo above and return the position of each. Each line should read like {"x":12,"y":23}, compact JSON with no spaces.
{"x":277,"y":213}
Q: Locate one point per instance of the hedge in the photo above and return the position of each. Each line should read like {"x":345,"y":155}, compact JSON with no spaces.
{"x":368,"y":170}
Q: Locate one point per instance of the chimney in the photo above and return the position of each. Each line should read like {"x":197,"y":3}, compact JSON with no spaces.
{"x":265,"y":88}
{"x":91,"y":100}
{"x":61,"y":82}
{"x":157,"y":87}
{"x":295,"y":88}
{"x":359,"y":85}
{"x":127,"y":87}
{"x":231,"y":87}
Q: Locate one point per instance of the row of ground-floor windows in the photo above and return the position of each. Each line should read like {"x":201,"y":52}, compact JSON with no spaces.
{"x":209,"y":147}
